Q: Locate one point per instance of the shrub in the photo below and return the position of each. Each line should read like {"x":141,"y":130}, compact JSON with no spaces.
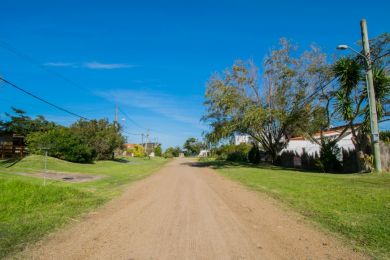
{"x":254,"y":155}
{"x":172,"y":152}
{"x":61,"y":143}
{"x":101,"y":136}
{"x":329,"y":160}
{"x":137,"y":151}
{"x":234,"y":153}
{"x":385,"y":136}
{"x":158,"y":151}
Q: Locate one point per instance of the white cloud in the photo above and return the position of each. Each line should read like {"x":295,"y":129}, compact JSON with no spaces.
{"x":90,"y":65}
{"x":107,"y":66}
{"x":59,"y":64}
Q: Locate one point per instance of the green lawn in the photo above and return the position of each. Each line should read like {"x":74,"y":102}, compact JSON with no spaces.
{"x":357,"y":206}
{"x":29,"y":210}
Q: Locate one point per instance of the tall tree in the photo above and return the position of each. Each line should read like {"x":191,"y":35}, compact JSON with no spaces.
{"x":272,"y":112}
{"x":100,"y":135}
{"x":20,"y":123}
{"x":193,"y":146}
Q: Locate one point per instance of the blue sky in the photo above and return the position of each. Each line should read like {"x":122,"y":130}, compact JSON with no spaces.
{"x":153,"y":58}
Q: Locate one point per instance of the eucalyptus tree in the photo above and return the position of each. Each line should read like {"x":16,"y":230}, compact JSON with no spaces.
{"x":270,"y":110}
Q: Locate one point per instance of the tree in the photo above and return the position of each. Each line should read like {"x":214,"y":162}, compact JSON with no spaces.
{"x":61,"y":143}
{"x":158,"y":151}
{"x":172,"y":152}
{"x":343,"y":100}
{"x":351,"y":103}
{"x":18,"y":122}
{"x":100,"y":135}
{"x":193,"y":146}
{"x":270,"y":113}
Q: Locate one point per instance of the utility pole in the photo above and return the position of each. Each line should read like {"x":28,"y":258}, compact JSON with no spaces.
{"x":371,"y":98}
{"x":116,"y":115}
{"x":147,"y":142}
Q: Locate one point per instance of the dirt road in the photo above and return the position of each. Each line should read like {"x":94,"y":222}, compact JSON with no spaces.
{"x":188,"y":212}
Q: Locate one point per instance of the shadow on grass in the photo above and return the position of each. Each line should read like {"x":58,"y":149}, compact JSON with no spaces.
{"x":220,"y":164}
{"x":121,"y":160}
{"x":7,"y":163}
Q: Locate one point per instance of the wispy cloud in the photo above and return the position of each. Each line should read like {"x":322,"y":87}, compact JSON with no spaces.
{"x":94,"y":65}
{"x":59,"y":64}
{"x":175,"y":108}
{"x":107,"y":66}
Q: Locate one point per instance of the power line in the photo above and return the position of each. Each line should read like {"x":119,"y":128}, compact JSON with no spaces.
{"x":131,"y":120}
{"x":318,"y":89}
{"x":33,"y":61}
{"x":41,"y":99}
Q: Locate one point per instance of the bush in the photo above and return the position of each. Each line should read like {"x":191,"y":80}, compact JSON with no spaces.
{"x":101,"y":136}
{"x":137,"y":151}
{"x":385,"y":136}
{"x":329,"y":160}
{"x":158,"y":151}
{"x":254,"y":155}
{"x":172,"y":152}
{"x":234,"y":153}
{"x":61,"y":143}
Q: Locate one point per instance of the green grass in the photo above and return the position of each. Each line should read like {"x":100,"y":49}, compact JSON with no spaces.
{"x":357,"y":206}
{"x":29,"y":210}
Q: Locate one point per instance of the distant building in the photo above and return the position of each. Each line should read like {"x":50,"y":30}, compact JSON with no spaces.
{"x":11,"y":145}
{"x":126,"y":148}
{"x":242,"y":139}
{"x":149,"y":148}
{"x":204,"y":153}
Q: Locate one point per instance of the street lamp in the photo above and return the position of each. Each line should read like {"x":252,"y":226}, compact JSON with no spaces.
{"x":370,"y":91}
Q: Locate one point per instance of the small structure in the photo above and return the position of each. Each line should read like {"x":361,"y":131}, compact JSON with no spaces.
{"x":11,"y":145}
{"x":204,"y":153}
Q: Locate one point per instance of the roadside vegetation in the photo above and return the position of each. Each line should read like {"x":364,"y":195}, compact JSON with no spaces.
{"x":300,"y":93}
{"x":29,"y":210}
{"x":84,"y":141}
{"x":305,"y":94}
{"x":355,"y":206}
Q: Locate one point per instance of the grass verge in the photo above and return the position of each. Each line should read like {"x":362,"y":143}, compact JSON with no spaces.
{"x":29,"y":210}
{"x":357,"y":206}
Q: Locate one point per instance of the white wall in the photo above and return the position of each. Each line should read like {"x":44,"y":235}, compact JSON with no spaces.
{"x":242,"y":139}
{"x":312,"y":148}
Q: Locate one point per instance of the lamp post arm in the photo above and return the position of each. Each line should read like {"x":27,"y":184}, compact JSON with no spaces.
{"x":359,"y":53}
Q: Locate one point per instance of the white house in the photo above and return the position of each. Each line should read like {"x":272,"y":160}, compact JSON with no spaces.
{"x":242,"y":139}
{"x":301,"y":145}
{"x":204,"y":153}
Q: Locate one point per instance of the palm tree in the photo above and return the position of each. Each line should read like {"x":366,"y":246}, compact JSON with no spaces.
{"x":352,"y":101}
